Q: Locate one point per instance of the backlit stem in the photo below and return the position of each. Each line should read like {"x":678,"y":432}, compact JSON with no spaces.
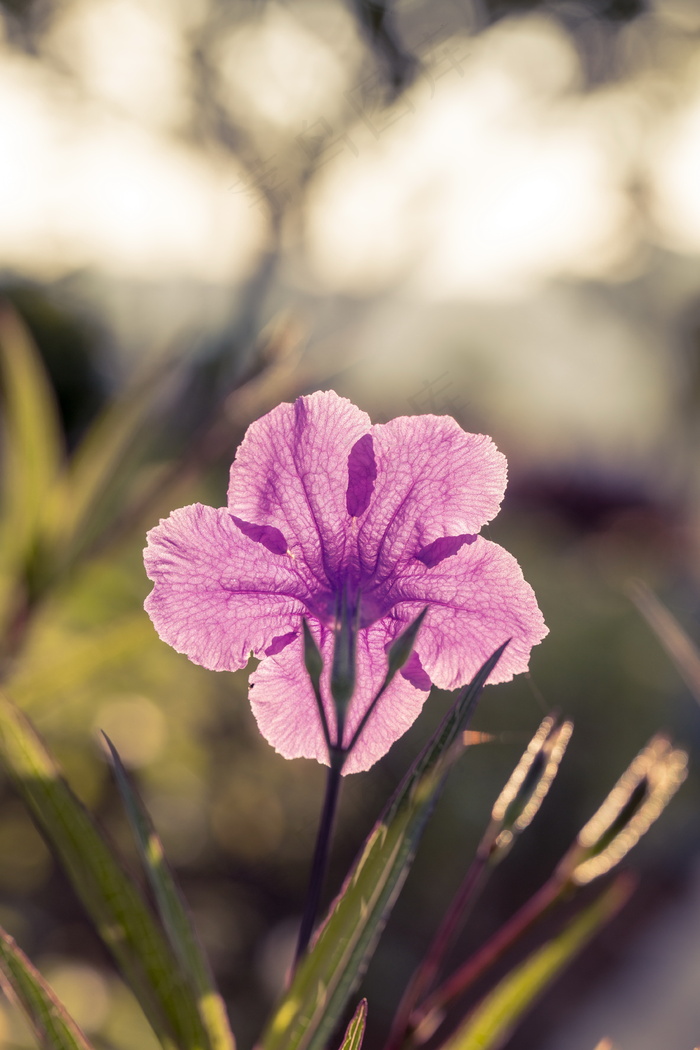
{"x":319,"y":863}
{"x":427,"y":1017}
{"x":427,"y":971}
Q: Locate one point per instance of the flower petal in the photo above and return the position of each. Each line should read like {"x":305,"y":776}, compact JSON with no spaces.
{"x":218,"y":594}
{"x":433,"y":480}
{"x":477,"y":599}
{"x":285,"y":707}
{"x":291,"y":473}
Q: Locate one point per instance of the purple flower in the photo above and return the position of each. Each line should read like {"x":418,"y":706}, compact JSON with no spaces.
{"x":321,"y":502}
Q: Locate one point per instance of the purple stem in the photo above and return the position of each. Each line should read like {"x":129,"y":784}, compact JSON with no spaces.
{"x":424,"y":976}
{"x":520,"y":923}
{"x":319,"y":863}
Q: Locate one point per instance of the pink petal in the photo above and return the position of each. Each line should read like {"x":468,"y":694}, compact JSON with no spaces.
{"x":218,"y":595}
{"x":286,"y":712}
{"x":477,"y":599}
{"x":284,"y":705}
{"x":433,"y":481}
{"x":291,"y":473}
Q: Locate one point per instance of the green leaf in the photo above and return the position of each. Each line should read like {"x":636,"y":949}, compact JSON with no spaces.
{"x":355,"y":1032}
{"x":493,"y":1020}
{"x":53,"y":1026}
{"x":112,"y":899}
{"x":32,"y":453}
{"x":173,"y":912}
{"x":326,"y":977}
{"x":33,"y":439}
{"x":78,"y":499}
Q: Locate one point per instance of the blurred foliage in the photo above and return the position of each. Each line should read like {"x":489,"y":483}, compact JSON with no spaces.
{"x":237,"y":821}
{"x":134,"y":432}
{"x":494,"y":1019}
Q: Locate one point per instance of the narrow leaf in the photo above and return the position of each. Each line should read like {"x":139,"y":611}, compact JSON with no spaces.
{"x":78,"y":498}
{"x":326,"y":978}
{"x":682,"y":651}
{"x":114,"y":902}
{"x":32,"y":436}
{"x":493,"y":1020}
{"x":355,"y":1032}
{"x":31,"y":461}
{"x":53,"y":1026}
{"x":173,"y":912}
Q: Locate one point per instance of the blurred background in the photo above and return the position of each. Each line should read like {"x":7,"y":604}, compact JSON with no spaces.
{"x":488,"y":208}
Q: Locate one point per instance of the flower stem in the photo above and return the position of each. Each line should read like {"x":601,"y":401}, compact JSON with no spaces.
{"x":321,"y":852}
{"x":428,"y":1016}
{"x":428,"y":969}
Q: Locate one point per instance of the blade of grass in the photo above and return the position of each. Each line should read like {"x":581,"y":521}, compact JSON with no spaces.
{"x":513,"y":811}
{"x":327,"y":976}
{"x":31,"y":461}
{"x":173,"y":911}
{"x":355,"y":1032}
{"x":493,"y":1020}
{"x":33,"y":438}
{"x":53,"y":1026}
{"x":78,"y":498}
{"x":669,"y":632}
{"x":428,"y":1015}
{"x":112,"y":899}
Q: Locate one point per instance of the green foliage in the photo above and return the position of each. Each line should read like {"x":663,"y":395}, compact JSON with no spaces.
{"x":33,"y":456}
{"x":79,"y":511}
{"x":327,"y":976}
{"x":492,"y":1021}
{"x":54,"y":514}
{"x":54,"y":510}
{"x":51,"y":1023}
{"x":32,"y":460}
{"x":118,"y":909}
{"x":173,"y":914}
{"x":355,"y":1031}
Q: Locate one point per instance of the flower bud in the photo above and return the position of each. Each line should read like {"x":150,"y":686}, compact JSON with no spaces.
{"x":398,"y":653}
{"x":402,"y":647}
{"x":313,"y":660}
{"x":640,"y":795}
{"x":529,"y":782}
{"x":343,"y":670}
